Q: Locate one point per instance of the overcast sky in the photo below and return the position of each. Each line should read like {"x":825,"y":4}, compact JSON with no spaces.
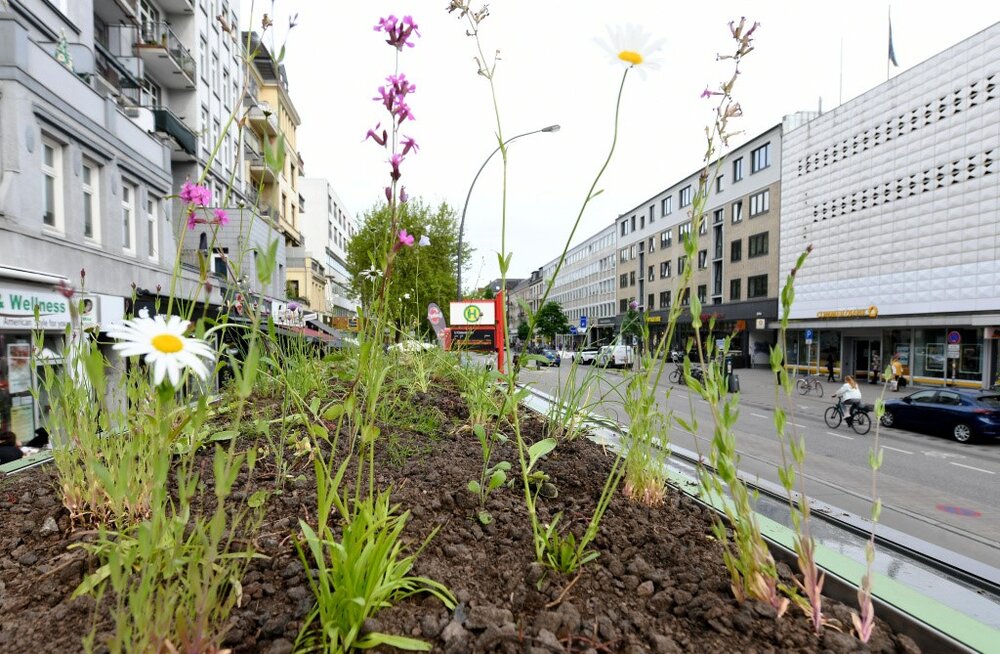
{"x":552,"y":72}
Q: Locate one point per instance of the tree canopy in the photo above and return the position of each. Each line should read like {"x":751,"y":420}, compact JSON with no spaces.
{"x":551,"y":321}
{"x":420,"y":274}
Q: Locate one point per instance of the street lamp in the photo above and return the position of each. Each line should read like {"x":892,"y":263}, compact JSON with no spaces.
{"x":461,"y":226}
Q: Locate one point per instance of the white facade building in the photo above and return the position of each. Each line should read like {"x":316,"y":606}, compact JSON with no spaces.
{"x":898,"y":193}
{"x":327,"y":228}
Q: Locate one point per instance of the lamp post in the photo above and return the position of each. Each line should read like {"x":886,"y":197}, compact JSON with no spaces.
{"x":461,"y":226}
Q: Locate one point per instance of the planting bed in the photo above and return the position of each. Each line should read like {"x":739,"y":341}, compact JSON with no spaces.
{"x":659,"y":584}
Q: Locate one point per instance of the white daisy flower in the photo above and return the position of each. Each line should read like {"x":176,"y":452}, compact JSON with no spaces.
{"x":165,"y":347}
{"x":371,"y":274}
{"x":632,"y":46}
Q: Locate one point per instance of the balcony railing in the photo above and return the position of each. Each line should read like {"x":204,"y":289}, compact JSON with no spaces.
{"x":168,"y":123}
{"x":165,"y":55}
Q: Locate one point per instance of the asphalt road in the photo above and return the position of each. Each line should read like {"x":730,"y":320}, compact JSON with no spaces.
{"x":941,"y":491}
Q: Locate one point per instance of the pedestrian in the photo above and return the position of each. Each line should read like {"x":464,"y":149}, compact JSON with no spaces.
{"x":9,"y":451}
{"x":829,"y":367}
{"x":898,"y":380}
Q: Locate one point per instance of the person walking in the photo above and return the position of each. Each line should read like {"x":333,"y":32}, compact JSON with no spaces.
{"x":829,"y":367}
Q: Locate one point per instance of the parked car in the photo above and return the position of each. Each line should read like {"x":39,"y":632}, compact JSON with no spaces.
{"x":586,"y":356}
{"x":552,"y":357}
{"x":962,"y":414}
{"x":614,"y":356}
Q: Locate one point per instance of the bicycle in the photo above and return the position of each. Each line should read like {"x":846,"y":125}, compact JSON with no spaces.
{"x":806,"y":385}
{"x":858,"y":419}
{"x":676,"y":375}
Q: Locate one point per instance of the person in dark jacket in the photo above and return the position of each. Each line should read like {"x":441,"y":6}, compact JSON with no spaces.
{"x":829,"y":367}
{"x":9,"y":451}
{"x":41,"y":439}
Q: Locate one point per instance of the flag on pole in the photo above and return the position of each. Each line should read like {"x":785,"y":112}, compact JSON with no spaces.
{"x":892,"y":52}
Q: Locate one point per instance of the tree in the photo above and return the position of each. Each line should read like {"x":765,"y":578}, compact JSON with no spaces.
{"x":551,"y":321}
{"x":632,"y":325}
{"x":522,"y":331}
{"x":421,"y":274}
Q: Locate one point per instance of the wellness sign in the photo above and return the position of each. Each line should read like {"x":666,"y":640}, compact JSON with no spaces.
{"x":18,"y":306}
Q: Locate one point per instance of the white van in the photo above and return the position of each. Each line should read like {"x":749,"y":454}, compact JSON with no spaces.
{"x":616,"y":356}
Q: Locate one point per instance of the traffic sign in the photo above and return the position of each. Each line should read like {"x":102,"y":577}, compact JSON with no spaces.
{"x":809,"y":337}
{"x":954,"y":337}
{"x":572,"y":330}
{"x":583,"y":322}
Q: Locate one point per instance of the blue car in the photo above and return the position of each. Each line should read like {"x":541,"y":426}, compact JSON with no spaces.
{"x":552,"y":357}
{"x":965,"y":415}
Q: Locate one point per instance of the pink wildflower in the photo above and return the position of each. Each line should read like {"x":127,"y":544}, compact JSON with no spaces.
{"x":409,"y":144}
{"x":192,"y":220}
{"x":221,"y":217}
{"x":403,"y":197}
{"x":195,"y":194}
{"x":405,"y":239}
{"x":374,"y":135}
{"x":399,"y":31}
{"x":396,"y":160}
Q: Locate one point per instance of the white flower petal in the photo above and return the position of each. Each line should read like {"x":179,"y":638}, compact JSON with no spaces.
{"x":159,"y":369}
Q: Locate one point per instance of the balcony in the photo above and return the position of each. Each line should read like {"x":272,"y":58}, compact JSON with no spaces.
{"x":260,"y":172}
{"x":116,"y":11}
{"x":263,"y":119}
{"x":164,"y":56}
{"x":177,"y":6}
{"x":168,"y":123}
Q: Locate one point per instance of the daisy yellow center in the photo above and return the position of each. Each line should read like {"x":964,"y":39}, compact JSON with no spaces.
{"x":167,"y":343}
{"x":630,"y":56}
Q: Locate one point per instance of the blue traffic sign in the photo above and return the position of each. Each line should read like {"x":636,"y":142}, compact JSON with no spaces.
{"x":572,"y":330}
{"x":809,"y":334}
{"x":583,"y":322}
{"x":954,"y":338}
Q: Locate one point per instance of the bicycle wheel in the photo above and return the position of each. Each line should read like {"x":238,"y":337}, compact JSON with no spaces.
{"x":802,"y":386}
{"x":675,"y":376}
{"x":861,"y":423}
{"x":819,"y":388}
{"x":833,"y":417}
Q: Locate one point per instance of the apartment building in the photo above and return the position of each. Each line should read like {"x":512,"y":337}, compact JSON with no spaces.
{"x":585,"y":288}
{"x":327,"y":228}
{"x":897,"y":192}
{"x":736,"y":264}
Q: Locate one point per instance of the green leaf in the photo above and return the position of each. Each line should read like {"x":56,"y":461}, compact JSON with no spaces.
{"x":314,"y":406}
{"x":485,"y":517}
{"x":371,"y":640}
{"x":333,"y":412}
{"x":540,"y":449}
{"x":474,"y":487}
{"x":226,"y":435}
{"x":257,"y":499}
{"x":497,"y":480}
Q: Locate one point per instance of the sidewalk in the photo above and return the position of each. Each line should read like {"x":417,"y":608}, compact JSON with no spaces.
{"x":757,"y":388}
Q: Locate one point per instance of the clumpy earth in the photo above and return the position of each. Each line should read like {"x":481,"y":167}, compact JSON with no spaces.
{"x":659,"y":584}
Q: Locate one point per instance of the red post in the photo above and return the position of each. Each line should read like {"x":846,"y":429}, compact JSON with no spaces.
{"x":501,"y":318}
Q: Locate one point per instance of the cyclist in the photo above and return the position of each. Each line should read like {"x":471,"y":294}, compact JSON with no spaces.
{"x":850,"y":396}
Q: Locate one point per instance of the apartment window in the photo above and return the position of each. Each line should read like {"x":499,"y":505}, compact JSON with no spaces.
{"x":681,"y":260}
{"x":631,"y":278}
{"x":216,"y":69}
{"x":736,"y":250}
{"x":718,"y":216}
{"x":760,"y":203}
{"x":666,"y":238}
{"x":622,"y":306}
{"x":652,"y":209}
{"x":667,"y":206}
{"x":738,"y":211}
{"x":52,"y":199}
{"x":760,"y":158}
{"x":623,"y":280}
{"x":738,"y":169}
{"x":757,"y":245}
{"x":216,"y":133}
{"x":205,"y":136}
{"x":685,"y":196}
{"x":203,"y":61}
{"x":702,"y":259}
{"x":734,"y":289}
{"x":225,"y":89}
{"x":703,"y":227}
{"x":632,"y":224}
{"x":631,"y":252}
{"x":702,"y":293}
{"x":624,"y":227}
{"x":91,"y":201}
{"x":664,"y":299}
{"x":152,"y":229}
{"x":652,"y":244}
{"x":718,"y":184}
{"x":757,"y":286}
{"x":649,"y":302}
{"x":128,"y":218}
{"x":664,"y":269}
{"x":684,"y":230}
{"x":651,"y":274}
{"x":685,"y":296}
{"x":219,"y":258}
{"x":642,"y":246}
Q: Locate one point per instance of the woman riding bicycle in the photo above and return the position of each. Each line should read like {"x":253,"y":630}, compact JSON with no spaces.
{"x":849,"y":395}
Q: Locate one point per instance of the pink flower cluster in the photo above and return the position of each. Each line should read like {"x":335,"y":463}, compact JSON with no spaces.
{"x":405,"y":240}
{"x":197,"y":196}
{"x":393,"y":96}
{"x":399,"y":31}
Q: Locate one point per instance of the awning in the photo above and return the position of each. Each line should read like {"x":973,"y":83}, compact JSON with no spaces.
{"x":330,"y":331}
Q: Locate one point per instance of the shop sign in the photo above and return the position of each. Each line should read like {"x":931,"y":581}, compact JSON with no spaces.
{"x":19,"y":304}
{"x":653,"y":318}
{"x":869,"y":312}
{"x":761,"y":323}
{"x":605,"y":321}
{"x":473,"y":313}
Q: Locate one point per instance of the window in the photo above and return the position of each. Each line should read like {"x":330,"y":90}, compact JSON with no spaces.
{"x":622,"y":306}
{"x":702,"y":259}
{"x":757,"y":286}
{"x":738,"y":169}
{"x":642,"y":246}
{"x":666,"y":238}
{"x":702,"y":293}
{"x":631,"y":252}
{"x":718,"y":184}
{"x":686,"y":196}
{"x":649,"y":302}
{"x":623,"y":280}
{"x":631,"y":224}
{"x":718,"y":216}
{"x":664,"y":269}
{"x":624,"y":227}
{"x":734,"y":289}
{"x":631,"y":278}
{"x":736,"y":250}
{"x":667,"y":205}
{"x":652,"y":209}
{"x":152,"y":229}
{"x":664,"y":299}
{"x":128,"y":222}
{"x":219,"y":257}
{"x":757,"y":245}
{"x":652,"y":244}
{"x":52,"y":200}
{"x":205,"y":136}
{"x":685,"y":296}
{"x":703,"y":227}
{"x":215,"y":70}
{"x":680,"y":264}
{"x":651,"y":274}
{"x":623,"y":255}
{"x":91,"y":202}
{"x":760,"y":203}
{"x":760,"y":158}
{"x":203,"y":63}
{"x":738,"y":211}
{"x":684,"y":230}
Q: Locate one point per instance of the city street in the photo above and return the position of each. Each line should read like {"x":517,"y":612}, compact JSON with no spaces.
{"x":931,"y":487}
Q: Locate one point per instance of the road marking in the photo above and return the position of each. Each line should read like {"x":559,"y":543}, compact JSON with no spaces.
{"x":795,"y":424}
{"x":962,"y":465}
{"x":804,"y":407}
{"x":757,"y":415}
{"x":942,"y":455}
{"x":895,"y":449}
{"x":850,"y":438}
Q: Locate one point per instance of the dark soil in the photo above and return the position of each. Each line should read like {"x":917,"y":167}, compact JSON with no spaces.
{"x":659,"y":584}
